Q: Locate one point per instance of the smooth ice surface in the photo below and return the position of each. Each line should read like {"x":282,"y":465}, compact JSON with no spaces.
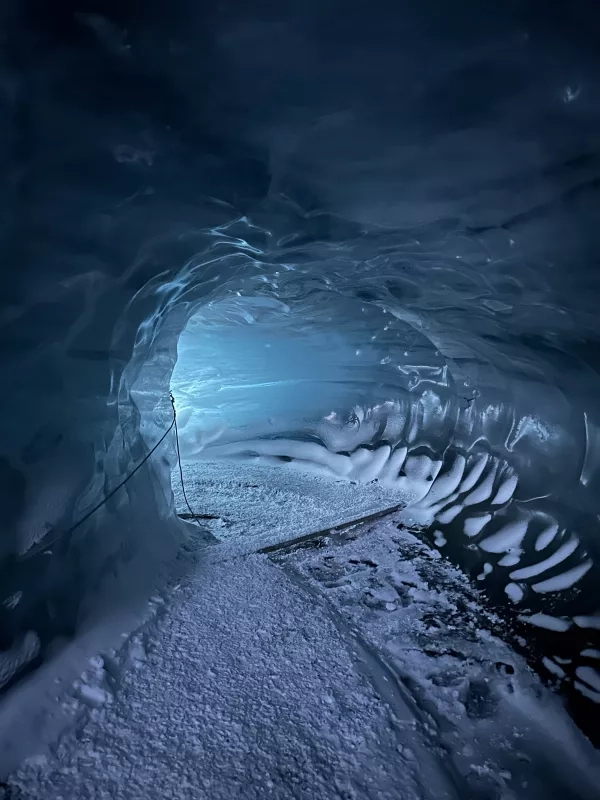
{"x":249,"y":360}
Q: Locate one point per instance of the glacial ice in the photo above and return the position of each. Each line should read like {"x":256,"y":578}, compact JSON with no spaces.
{"x":374,"y":279}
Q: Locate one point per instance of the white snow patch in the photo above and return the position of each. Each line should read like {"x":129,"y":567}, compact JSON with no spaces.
{"x":563,"y":552}
{"x":445,"y":517}
{"x":415,"y":485}
{"x":563,"y":581}
{"x":552,"y":667}
{"x":291,"y":448}
{"x":439,"y":539}
{"x":587,"y":692}
{"x":590,"y":652}
{"x":583,"y":621}
{"x":505,"y":491}
{"x":370,"y":468}
{"x":514,"y":592}
{"x":546,"y":621}
{"x":474,"y":525}
{"x":390,"y":471}
{"x":475,"y":473}
{"x":482,"y":492}
{"x":511,"y":558}
{"x":446,"y":483}
{"x":546,"y":536}
{"x":511,"y":535}
{"x":590,"y":676}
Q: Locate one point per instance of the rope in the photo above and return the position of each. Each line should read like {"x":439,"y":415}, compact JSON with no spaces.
{"x":179,"y":461}
{"x":124,"y":481}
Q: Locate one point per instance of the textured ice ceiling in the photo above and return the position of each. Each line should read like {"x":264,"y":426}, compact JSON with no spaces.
{"x":425,"y":174}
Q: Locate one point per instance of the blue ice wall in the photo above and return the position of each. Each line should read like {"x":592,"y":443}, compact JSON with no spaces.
{"x":437,"y":163}
{"x":244,"y":360}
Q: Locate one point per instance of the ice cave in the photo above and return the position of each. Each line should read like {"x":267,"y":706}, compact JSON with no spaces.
{"x":300,"y":433}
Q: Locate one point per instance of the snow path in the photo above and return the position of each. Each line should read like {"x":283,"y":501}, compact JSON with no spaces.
{"x":498,"y":732}
{"x":248,"y":691}
{"x":364,"y":668}
{"x":257,"y":502}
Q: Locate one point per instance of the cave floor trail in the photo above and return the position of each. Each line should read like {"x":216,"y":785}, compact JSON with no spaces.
{"x":360,"y":666}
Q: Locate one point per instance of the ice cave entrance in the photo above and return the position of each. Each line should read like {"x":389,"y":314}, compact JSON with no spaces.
{"x":259,"y":386}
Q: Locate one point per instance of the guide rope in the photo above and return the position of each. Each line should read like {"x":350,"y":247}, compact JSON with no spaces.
{"x":99,"y":505}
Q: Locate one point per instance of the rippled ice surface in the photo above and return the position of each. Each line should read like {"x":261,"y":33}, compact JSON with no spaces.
{"x":378,"y":231}
{"x":387,"y":369}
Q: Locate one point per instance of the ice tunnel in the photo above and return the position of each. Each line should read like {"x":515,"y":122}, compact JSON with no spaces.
{"x":360,"y":249}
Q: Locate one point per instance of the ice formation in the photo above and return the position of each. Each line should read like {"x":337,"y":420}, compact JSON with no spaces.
{"x":341,"y":255}
{"x":470,"y":499}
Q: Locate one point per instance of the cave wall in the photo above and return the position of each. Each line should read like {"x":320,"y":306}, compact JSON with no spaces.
{"x":446,"y":161}
{"x":88,"y":225}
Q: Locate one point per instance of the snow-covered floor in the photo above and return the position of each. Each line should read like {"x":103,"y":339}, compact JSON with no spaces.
{"x":358,"y":666}
{"x":261,"y":504}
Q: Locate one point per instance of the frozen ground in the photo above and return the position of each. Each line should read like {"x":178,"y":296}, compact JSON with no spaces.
{"x":498,"y":732}
{"x":358,"y":666}
{"x":270,"y":504}
{"x":246,"y":689}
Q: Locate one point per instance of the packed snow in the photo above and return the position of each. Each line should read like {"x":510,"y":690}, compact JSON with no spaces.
{"x":261,"y":504}
{"x":361,"y":665}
